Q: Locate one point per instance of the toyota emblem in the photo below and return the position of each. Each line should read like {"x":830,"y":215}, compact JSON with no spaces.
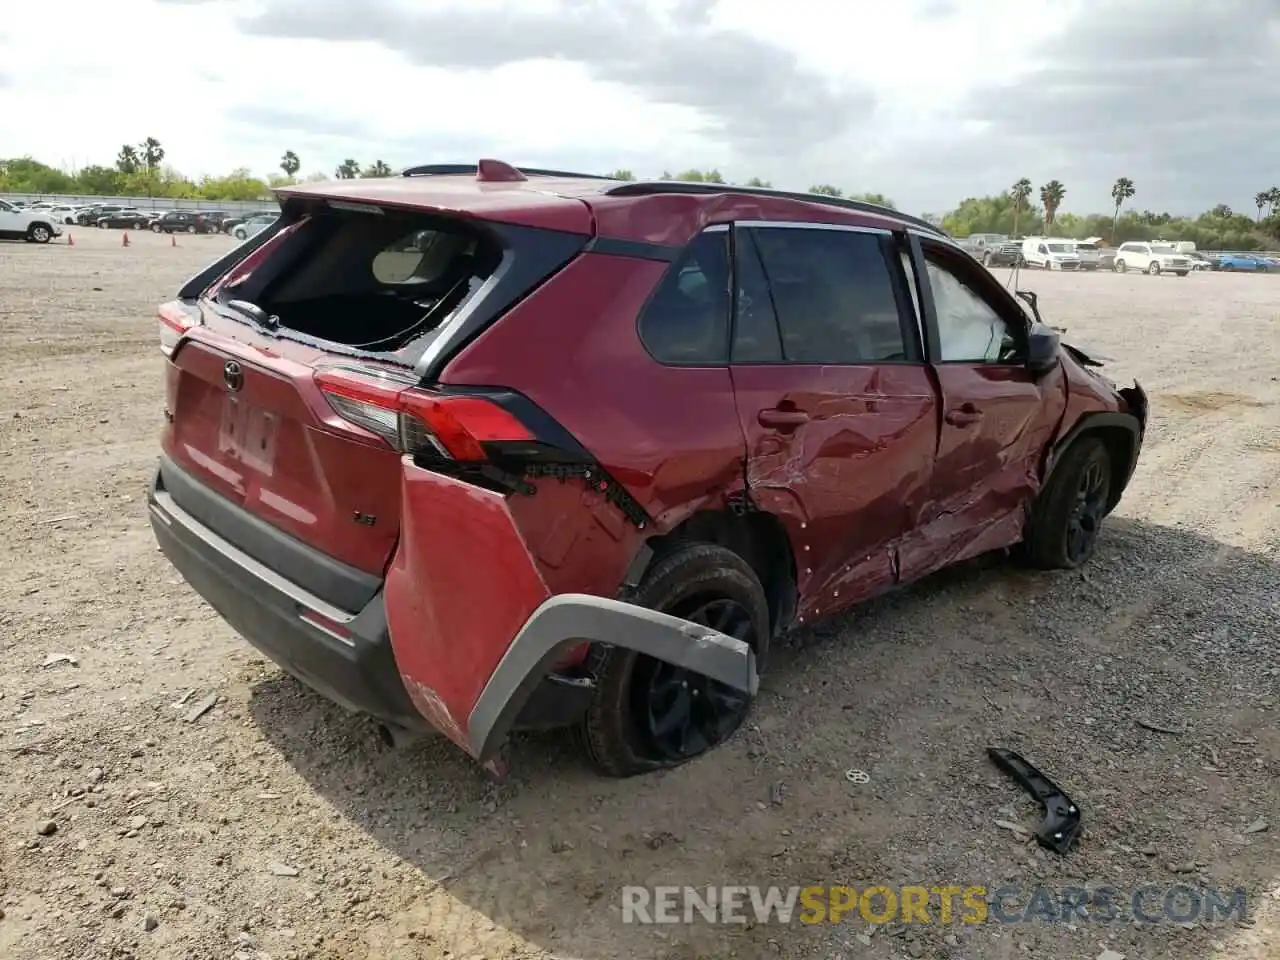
{"x":233,"y":374}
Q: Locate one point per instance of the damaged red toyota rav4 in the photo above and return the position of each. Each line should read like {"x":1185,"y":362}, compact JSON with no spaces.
{"x":481,"y":449}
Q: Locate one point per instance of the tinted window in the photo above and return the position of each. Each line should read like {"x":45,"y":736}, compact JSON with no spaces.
{"x":687,"y":321}
{"x":969,"y":328}
{"x":755,"y":330}
{"x":833,"y":295}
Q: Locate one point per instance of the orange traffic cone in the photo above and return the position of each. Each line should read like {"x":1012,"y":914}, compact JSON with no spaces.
{"x":173,"y":240}
{"x":125,"y":240}
{"x":71,"y":241}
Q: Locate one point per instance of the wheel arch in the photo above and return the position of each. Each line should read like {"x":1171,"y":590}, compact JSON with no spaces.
{"x":1121,"y":433}
{"x":757,"y":537}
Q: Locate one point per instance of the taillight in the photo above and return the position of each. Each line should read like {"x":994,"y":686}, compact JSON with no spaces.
{"x":414,"y":421}
{"x":174,"y":322}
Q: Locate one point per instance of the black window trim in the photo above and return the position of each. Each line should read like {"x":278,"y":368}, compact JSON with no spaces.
{"x":1002,"y":302}
{"x":673,"y":265}
{"x":907,"y":323}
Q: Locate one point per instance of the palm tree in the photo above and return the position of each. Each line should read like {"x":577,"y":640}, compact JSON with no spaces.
{"x":1260,"y":200}
{"x":1273,"y":197}
{"x":1021,"y":193}
{"x":127,"y":160}
{"x":1121,"y":191}
{"x":290,"y":164}
{"x":151,"y":153}
{"x":1051,"y":195}
{"x":349,"y":169}
{"x":377,"y":169}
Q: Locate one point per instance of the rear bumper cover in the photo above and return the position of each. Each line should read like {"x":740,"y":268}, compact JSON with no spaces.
{"x":418,"y":677}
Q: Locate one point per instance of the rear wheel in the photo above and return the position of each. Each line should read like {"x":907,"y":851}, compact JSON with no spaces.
{"x":191,"y":229}
{"x":1120,"y":266}
{"x":156,"y":228}
{"x":102,"y":225}
{"x":1182,"y":273}
{"x":1067,"y":515}
{"x":648,"y":714}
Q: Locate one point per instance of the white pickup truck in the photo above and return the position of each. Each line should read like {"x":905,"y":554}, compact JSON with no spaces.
{"x":34,"y":226}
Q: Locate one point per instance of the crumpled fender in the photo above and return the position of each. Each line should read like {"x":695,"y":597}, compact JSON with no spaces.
{"x":474,"y":627}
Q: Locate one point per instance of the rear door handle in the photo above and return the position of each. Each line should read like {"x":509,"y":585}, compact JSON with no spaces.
{"x":782,"y":419}
{"x":965,"y":416}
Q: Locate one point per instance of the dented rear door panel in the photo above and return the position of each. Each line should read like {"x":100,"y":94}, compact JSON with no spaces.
{"x":845,"y":481}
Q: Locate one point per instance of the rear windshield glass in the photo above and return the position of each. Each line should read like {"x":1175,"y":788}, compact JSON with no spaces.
{"x":373,"y":282}
{"x":1086,"y":246}
{"x":1059,"y":248}
{"x":1163,"y":248}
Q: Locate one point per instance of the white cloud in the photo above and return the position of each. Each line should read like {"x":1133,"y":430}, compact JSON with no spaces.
{"x":871,"y":98}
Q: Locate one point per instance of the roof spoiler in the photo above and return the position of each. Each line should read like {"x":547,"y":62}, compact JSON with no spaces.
{"x":494,"y":171}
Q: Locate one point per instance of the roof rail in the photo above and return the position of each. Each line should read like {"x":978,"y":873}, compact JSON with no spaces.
{"x":471,"y":169}
{"x":641,"y":188}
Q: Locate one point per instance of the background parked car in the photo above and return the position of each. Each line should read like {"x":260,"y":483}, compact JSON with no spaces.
{"x":1089,"y":254}
{"x":1152,"y":258}
{"x":123,"y":219}
{"x":1228,"y":262}
{"x":90,"y":215}
{"x":175,"y":221}
{"x":210,"y":221}
{"x":64,"y":212}
{"x":247,"y":228}
{"x":35,"y":226}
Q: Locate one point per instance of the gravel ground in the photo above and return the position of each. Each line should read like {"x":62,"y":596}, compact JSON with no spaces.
{"x":275,"y":825}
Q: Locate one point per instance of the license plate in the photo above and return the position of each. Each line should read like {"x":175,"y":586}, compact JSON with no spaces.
{"x":248,"y":434}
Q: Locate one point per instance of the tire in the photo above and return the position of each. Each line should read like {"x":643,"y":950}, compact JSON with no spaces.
{"x":39,"y":233}
{"x":1067,"y":515}
{"x":138,"y":226}
{"x":102,"y":225}
{"x":1183,"y":273}
{"x":191,"y":228}
{"x":156,"y":228}
{"x":1226,"y":268}
{"x":618,"y":732}
{"x":239,"y":234}
{"x":1120,"y":266}
{"x":1153,"y":269}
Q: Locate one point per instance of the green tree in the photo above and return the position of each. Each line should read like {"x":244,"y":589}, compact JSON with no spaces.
{"x":1121,"y":191}
{"x":377,"y":169}
{"x":1273,"y":197}
{"x":349,"y":169}
{"x":879,"y":199}
{"x":757,"y":182}
{"x":99,"y":181}
{"x":151,"y":153}
{"x":1021,"y":195}
{"x":1222,"y":212}
{"x":290,"y":164}
{"x":127,"y":160}
{"x":1260,"y":200}
{"x":1051,"y":195}
{"x":826,"y":190}
{"x":622,"y":174}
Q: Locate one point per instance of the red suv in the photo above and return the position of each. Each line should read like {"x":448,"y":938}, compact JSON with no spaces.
{"x":481,"y":449}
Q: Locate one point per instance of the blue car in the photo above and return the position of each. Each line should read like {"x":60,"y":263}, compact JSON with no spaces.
{"x":1242,"y":261}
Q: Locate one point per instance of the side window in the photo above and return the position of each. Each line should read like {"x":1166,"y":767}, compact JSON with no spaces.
{"x":687,"y":321}
{"x":755,"y":324}
{"x":969,"y":328}
{"x":1043,"y":248}
{"x":5,"y":208}
{"x":833,"y":294}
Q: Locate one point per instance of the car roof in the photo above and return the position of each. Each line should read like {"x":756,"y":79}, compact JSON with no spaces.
{"x":584,"y":203}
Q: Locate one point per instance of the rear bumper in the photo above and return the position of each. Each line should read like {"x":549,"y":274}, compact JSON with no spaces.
{"x":346,"y":657}
{"x":413,"y":683}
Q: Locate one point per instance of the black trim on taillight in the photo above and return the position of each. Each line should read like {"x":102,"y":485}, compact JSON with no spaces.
{"x":551,"y":452}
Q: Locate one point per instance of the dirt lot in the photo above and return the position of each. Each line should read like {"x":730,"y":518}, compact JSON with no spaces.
{"x":181,"y":839}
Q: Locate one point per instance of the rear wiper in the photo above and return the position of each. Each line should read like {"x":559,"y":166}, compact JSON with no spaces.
{"x":255,"y":313}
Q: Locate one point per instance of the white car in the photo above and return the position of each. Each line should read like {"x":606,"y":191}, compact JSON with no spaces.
{"x":1089,"y":255}
{"x":1049,"y":254}
{"x":1152,"y":258}
{"x":65,"y":212}
{"x":34,"y":226}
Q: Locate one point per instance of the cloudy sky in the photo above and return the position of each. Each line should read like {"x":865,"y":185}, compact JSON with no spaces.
{"x":927,"y":101}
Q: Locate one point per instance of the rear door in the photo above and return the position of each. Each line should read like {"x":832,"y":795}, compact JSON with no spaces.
{"x":834,"y":400}
{"x":12,"y":223}
{"x":997,"y":418}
